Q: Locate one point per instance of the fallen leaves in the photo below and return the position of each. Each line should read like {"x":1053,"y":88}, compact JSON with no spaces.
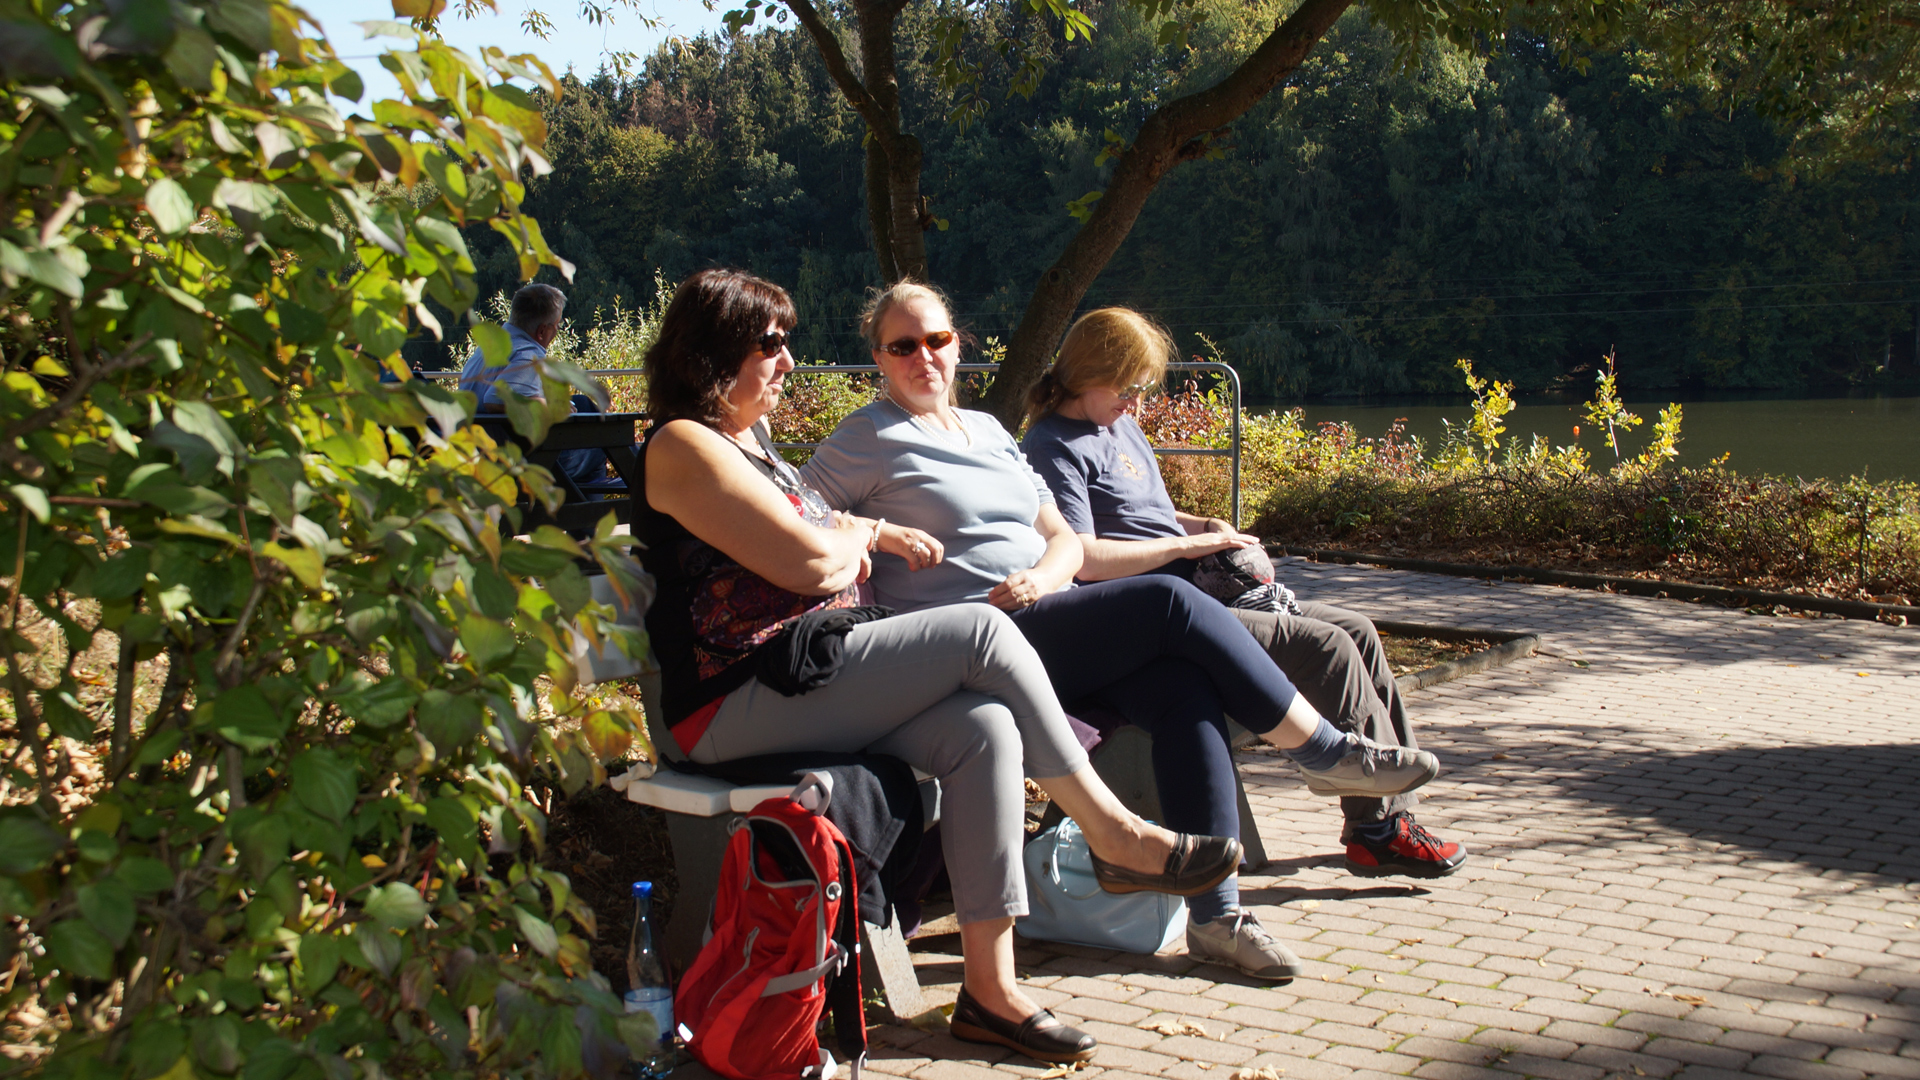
{"x":1684,"y":999}
{"x":1177,"y":1027}
{"x":1066,"y":1069}
{"x":1264,"y":1072}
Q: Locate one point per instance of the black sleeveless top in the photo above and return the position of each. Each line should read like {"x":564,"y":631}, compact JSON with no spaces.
{"x":709,"y":613}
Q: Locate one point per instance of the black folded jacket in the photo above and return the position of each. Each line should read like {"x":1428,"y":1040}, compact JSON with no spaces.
{"x":806,"y":654}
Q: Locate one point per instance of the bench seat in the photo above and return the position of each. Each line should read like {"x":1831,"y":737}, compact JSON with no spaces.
{"x":699,"y":796}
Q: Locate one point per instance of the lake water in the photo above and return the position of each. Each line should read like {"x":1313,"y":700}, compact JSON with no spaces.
{"x":1831,"y":437}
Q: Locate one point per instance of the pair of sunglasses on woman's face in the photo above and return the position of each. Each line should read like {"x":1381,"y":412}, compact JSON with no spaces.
{"x":907,"y":346}
{"x":773,"y":341}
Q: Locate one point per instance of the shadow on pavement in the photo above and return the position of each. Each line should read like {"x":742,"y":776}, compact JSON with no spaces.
{"x":1853,"y":809}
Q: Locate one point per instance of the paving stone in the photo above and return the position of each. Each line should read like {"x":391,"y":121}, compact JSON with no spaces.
{"x":1754,"y":1042}
{"x":1624,"y":1061}
{"x":1300,"y":1068}
{"x":1576,"y":1011}
{"x":1278,"y":1042}
{"x":1594,"y":1034}
{"x":1093,"y":1008}
{"x":1459,"y":1070}
{"x":1742,"y":1020}
{"x":1853,"y":1038}
{"x":1377,"y":1061}
{"x":1349,"y":1035}
{"x":1503,"y":1019}
{"x":1797,"y":1069}
{"x":1694,"y":1053}
{"x":1143,"y":1062}
{"x":1427,"y":1026}
{"x":1875,"y":1064}
{"x":1551,"y":1068}
{"x":1252,"y":1016}
{"x":1194,"y":1048}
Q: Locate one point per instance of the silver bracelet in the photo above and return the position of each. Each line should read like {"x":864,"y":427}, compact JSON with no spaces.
{"x":875,"y":544}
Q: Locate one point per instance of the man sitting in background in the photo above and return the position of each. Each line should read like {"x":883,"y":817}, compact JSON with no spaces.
{"x":532,"y":325}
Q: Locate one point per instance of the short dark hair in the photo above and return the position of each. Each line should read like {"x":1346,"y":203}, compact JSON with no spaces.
{"x":535,"y":306}
{"x":713,"y":323}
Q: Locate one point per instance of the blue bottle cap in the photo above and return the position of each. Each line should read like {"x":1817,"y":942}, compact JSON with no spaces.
{"x":642,"y":888}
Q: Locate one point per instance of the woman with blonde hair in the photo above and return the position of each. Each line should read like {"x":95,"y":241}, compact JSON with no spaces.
{"x":1155,"y":650}
{"x":747,"y":558}
{"x":1107,"y":486}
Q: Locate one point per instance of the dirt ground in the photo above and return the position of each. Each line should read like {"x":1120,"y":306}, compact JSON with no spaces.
{"x":1410,"y":654}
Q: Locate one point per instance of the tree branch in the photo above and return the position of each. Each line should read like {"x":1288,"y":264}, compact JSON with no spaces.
{"x":828,"y":43}
{"x":1165,"y":139}
{"x":84,"y":376}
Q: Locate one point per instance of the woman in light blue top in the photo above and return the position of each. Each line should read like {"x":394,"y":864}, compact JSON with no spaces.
{"x":1154,"y":649}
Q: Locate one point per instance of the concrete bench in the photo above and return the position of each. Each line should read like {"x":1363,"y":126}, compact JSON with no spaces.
{"x":1123,"y":756}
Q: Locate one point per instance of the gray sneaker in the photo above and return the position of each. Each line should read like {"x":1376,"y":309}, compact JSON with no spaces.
{"x":1370,"y":769}
{"x":1237,"y":939}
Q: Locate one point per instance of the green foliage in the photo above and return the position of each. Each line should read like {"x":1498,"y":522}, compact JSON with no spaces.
{"x":1539,"y":504}
{"x":813,"y":404}
{"x":278,"y":674}
{"x":1366,"y":226}
{"x":1605,"y":409}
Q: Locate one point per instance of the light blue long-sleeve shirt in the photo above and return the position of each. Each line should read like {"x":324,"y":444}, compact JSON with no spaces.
{"x":521,"y":374}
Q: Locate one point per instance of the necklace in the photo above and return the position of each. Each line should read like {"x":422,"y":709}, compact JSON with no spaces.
{"x":750,"y":443}
{"x":946,"y":434}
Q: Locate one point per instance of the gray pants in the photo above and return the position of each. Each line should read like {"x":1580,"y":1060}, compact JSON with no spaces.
{"x":1335,"y":658}
{"x":955,"y":692}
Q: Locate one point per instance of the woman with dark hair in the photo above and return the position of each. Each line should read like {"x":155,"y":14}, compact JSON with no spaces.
{"x":743,"y":550}
{"x":1155,"y":650}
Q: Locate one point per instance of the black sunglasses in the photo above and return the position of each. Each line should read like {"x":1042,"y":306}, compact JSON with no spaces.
{"x":773,"y":341}
{"x":907,"y":346}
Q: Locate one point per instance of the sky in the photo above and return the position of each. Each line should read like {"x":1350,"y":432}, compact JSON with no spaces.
{"x":574,"y":42}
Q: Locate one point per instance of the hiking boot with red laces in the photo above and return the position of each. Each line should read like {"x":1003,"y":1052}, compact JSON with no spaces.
{"x":1411,"y":851}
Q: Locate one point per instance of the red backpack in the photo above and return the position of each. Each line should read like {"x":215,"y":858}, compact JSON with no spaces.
{"x":784,"y":944}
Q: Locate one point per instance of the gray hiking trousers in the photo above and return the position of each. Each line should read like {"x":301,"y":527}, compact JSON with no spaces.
{"x":955,"y":692}
{"x":1335,"y":658}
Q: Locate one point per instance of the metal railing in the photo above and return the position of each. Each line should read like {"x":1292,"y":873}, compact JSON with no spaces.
{"x":1226,"y":370}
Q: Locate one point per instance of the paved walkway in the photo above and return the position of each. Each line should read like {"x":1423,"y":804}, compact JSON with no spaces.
{"x":1695,"y":854}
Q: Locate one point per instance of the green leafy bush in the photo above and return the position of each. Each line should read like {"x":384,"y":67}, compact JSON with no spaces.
{"x":278,"y":677}
{"x":1473,"y":499}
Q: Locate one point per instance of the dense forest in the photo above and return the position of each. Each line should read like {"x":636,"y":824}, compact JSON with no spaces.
{"x":1358,"y":231}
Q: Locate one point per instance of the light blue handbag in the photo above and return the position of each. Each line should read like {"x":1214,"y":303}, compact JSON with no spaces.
{"x":1065,"y":902}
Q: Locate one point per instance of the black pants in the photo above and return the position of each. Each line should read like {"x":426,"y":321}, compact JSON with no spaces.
{"x":1174,"y":662}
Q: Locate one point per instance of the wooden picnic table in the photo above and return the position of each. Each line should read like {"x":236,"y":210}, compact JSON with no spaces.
{"x":586,"y":504}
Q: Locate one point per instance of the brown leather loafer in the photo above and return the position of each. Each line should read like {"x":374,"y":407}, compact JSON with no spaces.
{"x":1196,"y":864}
{"x":1041,"y":1036}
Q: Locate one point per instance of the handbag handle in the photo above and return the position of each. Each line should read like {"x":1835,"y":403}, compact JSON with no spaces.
{"x":1060,"y":840}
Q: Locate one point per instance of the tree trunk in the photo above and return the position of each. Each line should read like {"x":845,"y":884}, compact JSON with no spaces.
{"x":1173,"y":134}
{"x":880,"y":210}
{"x":900,"y":197}
{"x":893,"y":156}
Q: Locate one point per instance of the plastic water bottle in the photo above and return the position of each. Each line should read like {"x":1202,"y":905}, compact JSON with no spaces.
{"x":648,"y":989}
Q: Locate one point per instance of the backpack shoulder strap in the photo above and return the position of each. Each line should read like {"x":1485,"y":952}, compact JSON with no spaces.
{"x":843,"y":993}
